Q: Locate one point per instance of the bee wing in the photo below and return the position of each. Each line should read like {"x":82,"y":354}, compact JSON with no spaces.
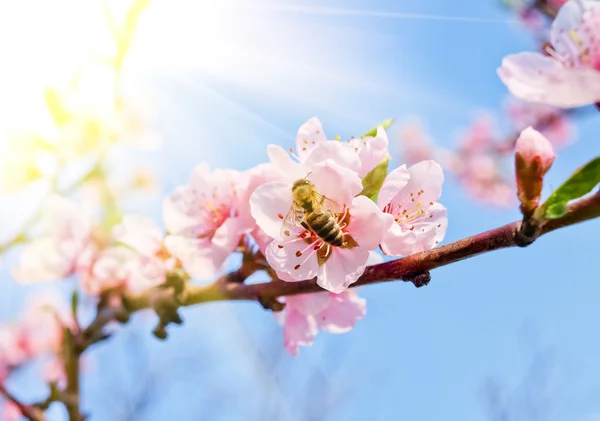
{"x":294,"y":217}
{"x":327,"y":205}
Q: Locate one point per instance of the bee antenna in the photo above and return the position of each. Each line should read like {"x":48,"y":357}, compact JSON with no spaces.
{"x":307,"y":175}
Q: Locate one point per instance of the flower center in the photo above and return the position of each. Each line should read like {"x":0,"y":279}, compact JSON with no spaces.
{"x":410,"y":212}
{"x":214,"y":216}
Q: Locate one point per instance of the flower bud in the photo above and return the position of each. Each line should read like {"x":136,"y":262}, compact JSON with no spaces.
{"x":534,"y":156}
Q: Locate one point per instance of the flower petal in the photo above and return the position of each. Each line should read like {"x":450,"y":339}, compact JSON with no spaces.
{"x":397,"y":242}
{"x":339,"y":152}
{"x":393,"y":183}
{"x":338,"y":183}
{"x":298,"y":329}
{"x":368,"y":224}
{"x":228,"y":235}
{"x":371,"y":150}
{"x":282,"y":161}
{"x":343,"y":268}
{"x":309,"y":136}
{"x":139,"y":233}
{"x":534,"y":77}
{"x":309,"y":304}
{"x":343,"y":312}
{"x":567,"y":19}
{"x":200,"y":260}
{"x":296,"y":258}
{"x":269,"y":204}
{"x":41,"y":260}
{"x":175,"y":212}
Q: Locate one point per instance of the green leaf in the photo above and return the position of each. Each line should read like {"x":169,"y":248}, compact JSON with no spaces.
{"x":74,"y":304}
{"x":373,"y":181}
{"x":385,"y":124}
{"x":579,"y":184}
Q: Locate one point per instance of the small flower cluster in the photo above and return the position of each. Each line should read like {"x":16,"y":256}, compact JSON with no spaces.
{"x":479,"y":161}
{"x":220,"y":211}
{"x":567,"y":73}
{"x":38,"y":336}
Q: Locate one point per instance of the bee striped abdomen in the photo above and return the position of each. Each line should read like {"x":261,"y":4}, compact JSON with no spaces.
{"x":326,"y":228}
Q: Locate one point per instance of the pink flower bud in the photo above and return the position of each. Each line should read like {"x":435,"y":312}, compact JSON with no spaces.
{"x":534,"y":156}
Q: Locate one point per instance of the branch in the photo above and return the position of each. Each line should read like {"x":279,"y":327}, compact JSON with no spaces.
{"x":414,"y":268}
{"x":30,"y":412}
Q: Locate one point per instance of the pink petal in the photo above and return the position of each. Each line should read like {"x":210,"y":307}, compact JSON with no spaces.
{"x":338,"y":183}
{"x":371,"y":150}
{"x":393,"y":183}
{"x":298,"y":330}
{"x":261,"y":174}
{"x":175,"y":211}
{"x":567,"y":19}
{"x":374,"y":258}
{"x":368,"y":224}
{"x":537,"y":78}
{"x":343,"y":312}
{"x":41,"y":260}
{"x":339,"y":152}
{"x":427,"y":176}
{"x":296,"y":258}
{"x":308,"y":304}
{"x":282,"y":161}
{"x":309,"y":136}
{"x":63,"y":218}
{"x":140,"y":233}
{"x":199,"y":259}
{"x":262,"y":240}
{"x":397,"y":242}
{"x":229,"y":234}
{"x":343,"y":268}
{"x":269,"y":204}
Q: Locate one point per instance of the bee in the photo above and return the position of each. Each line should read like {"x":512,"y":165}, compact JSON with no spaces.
{"x":315,"y":212}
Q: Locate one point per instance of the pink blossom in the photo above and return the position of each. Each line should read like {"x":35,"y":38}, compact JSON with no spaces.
{"x":570,"y":75}
{"x":411,"y":195}
{"x":204,"y":220}
{"x":55,"y":255}
{"x":534,"y":156}
{"x":137,"y":262}
{"x":312,"y":147}
{"x":14,"y":348}
{"x":9,"y":411}
{"x":305,"y":314}
{"x":480,"y":135}
{"x":302,"y":254}
{"x":414,"y":142}
{"x":551,"y":121}
{"x":39,"y":333}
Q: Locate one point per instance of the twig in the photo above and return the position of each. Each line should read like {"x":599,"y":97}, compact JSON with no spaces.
{"x":30,"y":412}
{"x":409,"y":269}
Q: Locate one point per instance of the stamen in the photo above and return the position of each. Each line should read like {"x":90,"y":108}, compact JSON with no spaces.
{"x":296,"y":267}
{"x":298,"y":253}
{"x":280,"y":246}
{"x":280,"y":216}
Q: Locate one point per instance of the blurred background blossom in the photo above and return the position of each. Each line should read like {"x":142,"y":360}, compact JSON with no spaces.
{"x":112,"y":103}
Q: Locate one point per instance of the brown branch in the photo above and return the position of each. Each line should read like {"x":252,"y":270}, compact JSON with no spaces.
{"x":30,"y":412}
{"x":413,"y":268}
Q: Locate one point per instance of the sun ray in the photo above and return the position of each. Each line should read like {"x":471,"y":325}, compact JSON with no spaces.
{"x":378,"y":14}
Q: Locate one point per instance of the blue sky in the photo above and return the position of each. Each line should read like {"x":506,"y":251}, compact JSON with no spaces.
{"x":516,"y":316}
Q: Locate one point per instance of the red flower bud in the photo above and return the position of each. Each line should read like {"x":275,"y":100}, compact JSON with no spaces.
{"x":534,"y":156}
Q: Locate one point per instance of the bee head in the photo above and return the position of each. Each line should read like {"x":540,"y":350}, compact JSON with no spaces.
{"x":302,"y":193}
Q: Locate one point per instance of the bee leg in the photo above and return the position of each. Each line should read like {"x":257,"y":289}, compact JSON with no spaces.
{"x":305,"y":225}
{"x":328,"y":251}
